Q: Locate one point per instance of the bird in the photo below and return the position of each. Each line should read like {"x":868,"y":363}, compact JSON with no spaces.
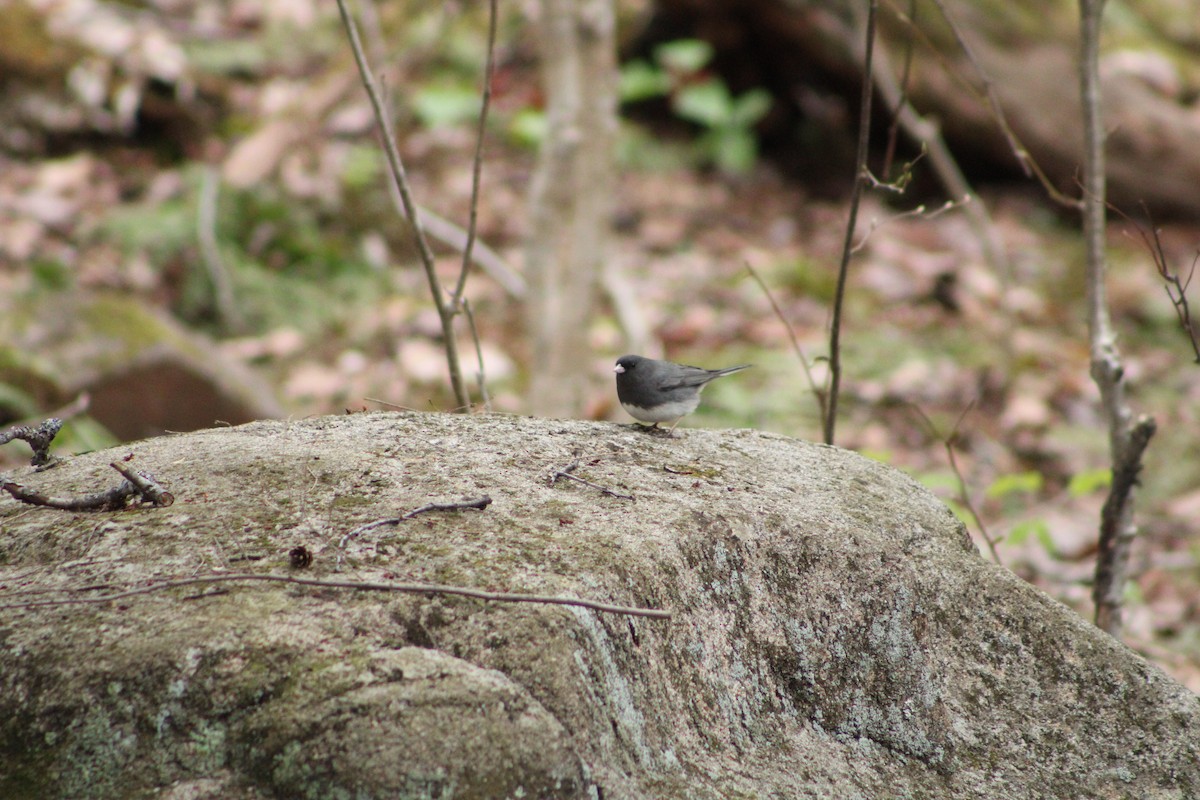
{"x":662,"y":391}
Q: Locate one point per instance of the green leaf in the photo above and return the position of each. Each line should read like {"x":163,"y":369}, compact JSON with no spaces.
{"x":1132,"y":594}
{"x":53,"y":275}
{"x":528,"y":127}
{"x":1032,"y":527}
{"x":640,"y":81}
{"x":84,"y":435}
{"x":934,"y":481}
{"x":960,"y":511}
{"x":707,"y":104}
{"x":734,"y":150}
{"x":1017,"y":483}
{"x":883,"y":457}
{"x":362,"y":166}
{"x":1088,"y":481}
{"x":445,"y":106}
{"x":750,"y":107}
{"x":684,"y":55}
{"x":16,"y":403}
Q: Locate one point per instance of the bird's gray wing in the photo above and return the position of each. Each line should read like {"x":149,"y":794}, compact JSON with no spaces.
{"x":686,"y":377}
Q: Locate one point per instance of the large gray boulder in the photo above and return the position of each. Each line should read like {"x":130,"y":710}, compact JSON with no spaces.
{"x":834,"y":634}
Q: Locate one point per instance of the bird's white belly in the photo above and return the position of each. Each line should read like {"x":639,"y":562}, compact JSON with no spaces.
{"x":668,"y":412}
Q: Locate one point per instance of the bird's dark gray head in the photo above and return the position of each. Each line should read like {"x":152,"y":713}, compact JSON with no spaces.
{"x":627,"y":364}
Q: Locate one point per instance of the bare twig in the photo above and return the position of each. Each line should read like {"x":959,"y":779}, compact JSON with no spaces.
{"x":362,"y":586}
{"x":136,"y":485}
{"x":479,"y":503}
{"x":964,"y":494}
{"x":1128,"y":437}
{"x":860,"y":170}
{"x":993,"y":99}
{"x":102,"y":501}
{"x":920,"y":211}
{"x":38,"y":437}
{"x":1176,"y":286}
{"x":929,"y":135}
{"x":74,"y":408}
{"x":445,"y":310}
{"x":990,"y":97}
{"x":224,"y":301}
{"x":566,"y":471}
{"x":477,"y":162}
{"x":900,"y":99}
{"x":147,"y":487}
{"x":1116,"y":533}
{"x":812,"y":381}
{"x":481,"y":374}
{"x":484,"y":257}
{"x":899,"y":184}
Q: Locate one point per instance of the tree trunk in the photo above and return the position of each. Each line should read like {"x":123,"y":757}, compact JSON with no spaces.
{"x":571,"y":198}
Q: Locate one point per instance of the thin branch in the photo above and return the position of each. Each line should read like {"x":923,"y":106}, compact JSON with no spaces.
{"x":149,"y":489}
{"x":1128,"y":437}
{"x":993,"y":99}
{"x":224,"y":301}
{"x":136,"y":485}
{"x":478,"y":503}
{"x":566,"y":471}
{"x":477,"y":163}
{"x":484,"y":257}
{"x":444,"y":310}
{"x":480,"y":375}
{"x":900,"y":99}
{"x":990,"y":97}
{"x":39,"y":438}
{"x":1176,"y":286}
{"x":812,"y":381}
{"x":860,"y":170}
{"x":929,"y":134}
{"x":919,"y":211}
{"x":362,"y":586}
{"x":964,"y":494}
{"x":72,"y":409}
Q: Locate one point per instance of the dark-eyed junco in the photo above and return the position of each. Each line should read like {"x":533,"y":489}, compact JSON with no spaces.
{"x":662,"y":391}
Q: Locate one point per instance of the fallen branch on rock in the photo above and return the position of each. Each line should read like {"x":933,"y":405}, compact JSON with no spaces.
{"x":362,"y":586}
{"x":38,"y":438}
{"x":566,"y":471}
{"x":137,"y":486}
{"x":480,"y":503}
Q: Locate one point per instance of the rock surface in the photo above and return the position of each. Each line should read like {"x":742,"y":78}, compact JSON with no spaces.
{"x":834,"y":634}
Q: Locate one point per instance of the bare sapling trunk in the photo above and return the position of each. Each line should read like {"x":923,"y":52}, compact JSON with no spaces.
{"x":1128,"y":436}
{"x":571,"y":198}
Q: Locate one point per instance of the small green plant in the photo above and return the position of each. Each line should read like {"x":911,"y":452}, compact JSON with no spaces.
{"x":728,"y":139}
{"x":1036,"y":528}
{"x":1011,"y":491}
{"x":1089,"y":481}
{"x":446,"y":105}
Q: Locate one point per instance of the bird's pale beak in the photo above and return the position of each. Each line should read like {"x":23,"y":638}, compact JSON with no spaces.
{"x":618,"y":369}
